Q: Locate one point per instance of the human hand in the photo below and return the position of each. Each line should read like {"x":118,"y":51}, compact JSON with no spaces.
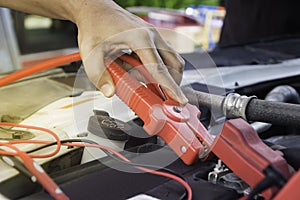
{"x":106,"y":28}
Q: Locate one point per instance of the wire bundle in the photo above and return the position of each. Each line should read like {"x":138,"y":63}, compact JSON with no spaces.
{"x":47,"y":182}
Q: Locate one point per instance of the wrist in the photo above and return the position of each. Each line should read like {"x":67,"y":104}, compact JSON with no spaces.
{"x":83,"y":8}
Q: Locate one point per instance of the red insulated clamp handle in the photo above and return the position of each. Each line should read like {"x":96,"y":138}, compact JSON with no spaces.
{"x":177,"y":125}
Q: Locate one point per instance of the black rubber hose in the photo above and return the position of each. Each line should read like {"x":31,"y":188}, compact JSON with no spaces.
{"x":273,"y":112}
{"x":208,"y":100}
{"x":283,"y":93}
{"x":284,"y":114}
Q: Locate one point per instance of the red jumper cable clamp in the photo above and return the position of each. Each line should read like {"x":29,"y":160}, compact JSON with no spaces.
{"x":177,"y":125}
{"x":238,"y":145}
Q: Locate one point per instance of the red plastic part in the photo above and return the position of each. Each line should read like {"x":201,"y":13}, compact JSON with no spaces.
{"x":291,"y":190}
{"x":240,"y":148}
{"x":181,"y":130}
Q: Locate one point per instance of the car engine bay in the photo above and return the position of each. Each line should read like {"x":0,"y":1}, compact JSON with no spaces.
{"x":222,"y":90}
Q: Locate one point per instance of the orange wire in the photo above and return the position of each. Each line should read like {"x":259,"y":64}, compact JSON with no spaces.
{"x":39,"y":67}
{"x":30,"y":141}
{"x":38,"y":172}
{"x":179,"y":180}
{"x":71,"y":144}
{"x":171,"y":176}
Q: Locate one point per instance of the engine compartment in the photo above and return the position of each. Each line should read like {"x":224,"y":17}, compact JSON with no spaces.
{"x":80,"y":111}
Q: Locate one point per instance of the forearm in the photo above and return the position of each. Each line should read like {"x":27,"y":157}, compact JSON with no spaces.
{"x":59,"y":9}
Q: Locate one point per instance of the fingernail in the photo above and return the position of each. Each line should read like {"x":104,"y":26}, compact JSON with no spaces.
{"x":178,"y":95}
{"x":183,"y":99}
{"x":107,"y":90}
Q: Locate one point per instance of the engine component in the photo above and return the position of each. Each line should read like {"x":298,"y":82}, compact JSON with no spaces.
{"x":214,"y":175}
{"x":282,"y":93}
{"x":274,"y":112}
{"x":102,"y":125}
{"x":221,"y":175}
{"x":250,"y":109}
{"x":11,"y":134}
{"x":235,"y":105}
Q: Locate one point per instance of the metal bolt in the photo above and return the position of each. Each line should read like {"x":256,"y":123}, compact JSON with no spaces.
{"x":177,"y":109}
{"x":183,"y":149}
{"x":17,"y":135}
